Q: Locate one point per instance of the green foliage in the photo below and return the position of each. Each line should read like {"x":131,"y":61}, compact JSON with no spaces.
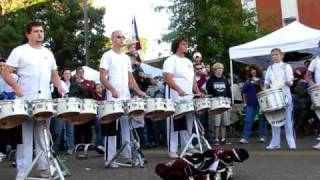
{"x":64,"y":31}
{"x":211,"y":26}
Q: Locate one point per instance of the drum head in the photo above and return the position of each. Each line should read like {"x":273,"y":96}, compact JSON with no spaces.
{"x":68,"y":116}
{"x":217,"y":111}
{"x":42,"y":116}
{"x":110,"y":118}
{"x":135,"y":113}
{"x":82,"y":118}
{"x":12,"y":121}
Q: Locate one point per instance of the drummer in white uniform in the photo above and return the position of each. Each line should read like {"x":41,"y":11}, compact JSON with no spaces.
{"x":314,"y":67}
{"x":280,"y":75}
{"x":116,"y":76}
{"x":178,"y":74}
{"x":36,"y":67}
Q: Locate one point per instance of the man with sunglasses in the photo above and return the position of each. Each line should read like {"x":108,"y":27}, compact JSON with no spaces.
{"x":116,"y":76}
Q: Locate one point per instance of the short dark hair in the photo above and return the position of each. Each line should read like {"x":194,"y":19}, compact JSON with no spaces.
{"x":32,"y":24}
{"x":175,"y":44}
{"x":79,"y":69}
{"x":258,"y":71}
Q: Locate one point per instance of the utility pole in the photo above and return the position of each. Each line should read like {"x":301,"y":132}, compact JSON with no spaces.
{"x":85,"y":12}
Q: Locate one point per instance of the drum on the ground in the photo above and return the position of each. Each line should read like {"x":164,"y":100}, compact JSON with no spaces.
{"x":109,"y":111}
{"x":88,"y":112}
{"x":272,"y":104}
{"x":183,"y":107}
{"x":135,"y":107}
{"x":68,"y":108}
{"x":42,"y":109}
{"x":13,"y":113}
{"x":219,"y":105}
{"x":154,"y":107}
{"x":202,"y":104}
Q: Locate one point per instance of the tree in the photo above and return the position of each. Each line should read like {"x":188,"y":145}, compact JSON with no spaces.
{"x":63,"y":23}
{"x":211,"y":26}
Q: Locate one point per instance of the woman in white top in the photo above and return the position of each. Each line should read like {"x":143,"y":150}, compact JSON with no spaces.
{"x":280,"y":75}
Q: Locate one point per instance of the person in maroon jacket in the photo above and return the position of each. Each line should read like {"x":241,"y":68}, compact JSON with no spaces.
{"x":88,"y":85}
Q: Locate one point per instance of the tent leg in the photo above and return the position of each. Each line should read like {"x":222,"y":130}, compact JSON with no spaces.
{"x":231,"y":76}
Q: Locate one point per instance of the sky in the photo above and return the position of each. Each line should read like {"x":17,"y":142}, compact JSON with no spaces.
{"x":151,"y":24}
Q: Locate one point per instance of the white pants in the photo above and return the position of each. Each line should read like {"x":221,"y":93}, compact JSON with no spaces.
{"x":111,"y":141}
{"x":275,"y":141}
{"x":172,"y":136}
{"x":32,"y":131}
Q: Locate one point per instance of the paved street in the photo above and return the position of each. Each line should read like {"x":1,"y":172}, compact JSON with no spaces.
{"x":283,"y":164}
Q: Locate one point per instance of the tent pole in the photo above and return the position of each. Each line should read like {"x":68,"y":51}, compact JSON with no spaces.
{"x":231,"y":76}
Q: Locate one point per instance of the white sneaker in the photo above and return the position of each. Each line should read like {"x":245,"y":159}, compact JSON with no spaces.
{"x":243,"y":141}
{"x":293,"y":147}
{"x":70,"y":152}
{"x":317,"y":147}
{"x":173,"y":155}
{"x":262,"y":140}
{"x":44,"y":173}
{"x":112,"y":165}
{"x":271,"y":147}
{"x":318,"y":138}
{"x":20,"y":176}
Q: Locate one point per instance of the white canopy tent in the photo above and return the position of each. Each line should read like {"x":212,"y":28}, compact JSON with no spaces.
{"x":293,"y":37}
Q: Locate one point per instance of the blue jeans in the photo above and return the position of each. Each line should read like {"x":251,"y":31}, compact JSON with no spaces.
{"x":58,"y":125}
{"x":99,"y":139}
{"x":250,"y":115}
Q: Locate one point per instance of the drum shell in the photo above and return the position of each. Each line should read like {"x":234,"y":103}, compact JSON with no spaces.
{"x":109,"y":111}
{"x":314,"y":92}
{"x":202,"y":104}
{"x":183,"y":107}
{"x":154,"y":107}
{"x":271,"y":100}
{"x":169,"y":110}
{"x":276,"y":118}
{"x":13,"y":113}
{"x":68,"y":108}
{"x":219,"y":105}
{"x":135,"y":107}
{"x":42,"y":109}
{"x":88,"y":111}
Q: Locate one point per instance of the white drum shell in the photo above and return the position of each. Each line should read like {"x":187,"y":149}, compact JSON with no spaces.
{"x":135,"y":106}
{"x":108,"y":108}
{"x":13,"y":113}
{"x":219,"y":105}
{"x":155,"y":105}
{"x":276,"y":118}
{"x":89,"y":106}
{"x":66,"y":106}
{"x":42,"y":106}
{"x":202,"y":104}
{"x":314,"y":92}
{"x":182,"y":108}
{"x":271,"y":100}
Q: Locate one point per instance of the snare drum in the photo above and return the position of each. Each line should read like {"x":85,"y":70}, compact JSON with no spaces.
{"x":272,"y":104}
{"x":169,"y":110}
{"x":13,"y":113}
{"x":88,"y":112}
{"x":42,"y":109}
{"x":68,"y":108}
{"x":183,"y":107}
{"x":135,"y":107}
{"x":109,"y":111}
{"x":314,"y":92}
{"x":219,"y":105}
{"x":202,"y":104}
{"x":271,"y":100}
{"x":154,"y":107}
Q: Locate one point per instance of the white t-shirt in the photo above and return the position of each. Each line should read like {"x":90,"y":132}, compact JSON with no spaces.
{"x":183,"y":75}
{"x":315,"y":67}
{"x":118,"y":67}
{"x":34,"y":68}
{"x":277,"y":74}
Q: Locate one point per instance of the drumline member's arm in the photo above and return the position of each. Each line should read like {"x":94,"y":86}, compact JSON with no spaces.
{"x":6,"y":73}
{"x":106,"y":83}
{"x":55,"y":79}
{"x":267,"y":80}
{"x":289,"y":75}
{"x":168,"y":78}
{"x":133,"y":84}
